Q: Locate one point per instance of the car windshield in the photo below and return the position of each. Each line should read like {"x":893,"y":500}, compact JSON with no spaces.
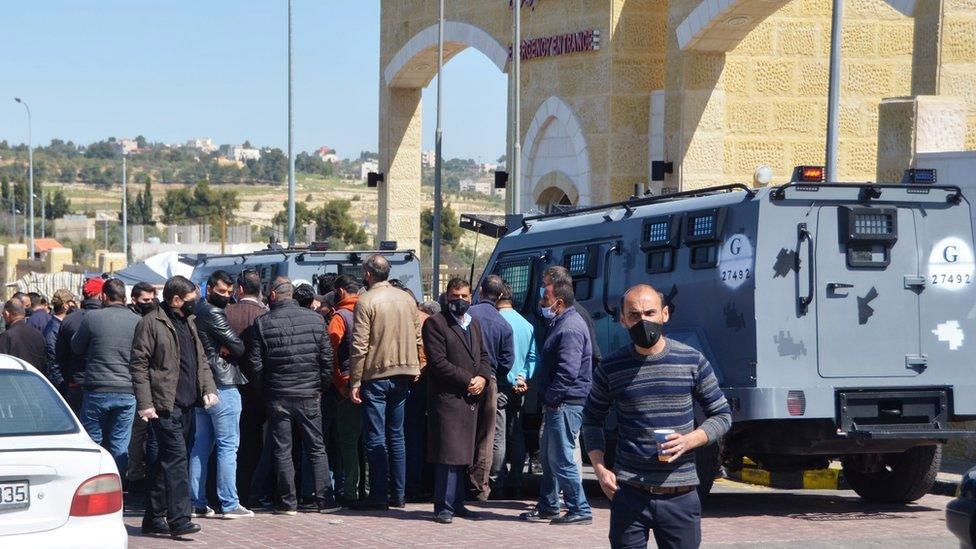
{"x":29,"y":406}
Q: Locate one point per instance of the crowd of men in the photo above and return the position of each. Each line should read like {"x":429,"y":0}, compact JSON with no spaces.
{"x":364,"y":398}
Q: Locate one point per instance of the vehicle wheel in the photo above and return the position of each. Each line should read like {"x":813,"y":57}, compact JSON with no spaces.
{"x":708,"y":460}
{"x":894,"y":478}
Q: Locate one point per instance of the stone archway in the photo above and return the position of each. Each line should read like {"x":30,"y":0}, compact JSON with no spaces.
{"x":555,"y":143}
{"x":408,"y":71}
{"x":555,"y":190}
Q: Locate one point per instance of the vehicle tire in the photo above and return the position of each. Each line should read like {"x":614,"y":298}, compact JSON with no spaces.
{"x":894,"y":478}
{"x":708,"y":460}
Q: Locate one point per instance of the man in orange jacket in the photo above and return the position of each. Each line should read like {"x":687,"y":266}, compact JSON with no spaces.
{"x":349,"y":415}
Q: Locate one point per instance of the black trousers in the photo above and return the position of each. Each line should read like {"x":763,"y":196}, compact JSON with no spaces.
{"x":674,"y":519}
{"x":253,"y":416}
{"x":304,"y":415}
{"x":169,"y":489}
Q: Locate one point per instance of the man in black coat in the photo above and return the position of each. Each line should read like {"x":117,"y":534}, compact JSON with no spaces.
{"x":20,"y":339}
{"x":293,"y":357}
{"x":73,"y":365}
{"x":458,"y":369}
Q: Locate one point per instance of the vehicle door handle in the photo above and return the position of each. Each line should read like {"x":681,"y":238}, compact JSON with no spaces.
{"x":834,"y":286}
{"x":914,"y":281}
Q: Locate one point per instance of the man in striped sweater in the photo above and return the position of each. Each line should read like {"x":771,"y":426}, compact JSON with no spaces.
{"x":652,"y":384}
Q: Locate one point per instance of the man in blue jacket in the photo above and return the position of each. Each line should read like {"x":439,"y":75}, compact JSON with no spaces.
{"x":565,"y":380}
{"x":497,"y":335}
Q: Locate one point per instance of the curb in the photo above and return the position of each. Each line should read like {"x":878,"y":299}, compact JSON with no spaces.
{"x":809,"y":479}
{"x":820,"y":479}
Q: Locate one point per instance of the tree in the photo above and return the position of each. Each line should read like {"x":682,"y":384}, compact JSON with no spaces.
{"x":100,"y":149}
{"x":5,"y":191}
{"x":333,"y":221}
{"x":450,"y":228}
{"x":303,"y":215}
{"x":140,"y":142}
{"x":56,"y":205}
{"x":147,"y":203}
{"x":247,"y":144}
{"x":200,"y":204}
{"x":67,"y":174}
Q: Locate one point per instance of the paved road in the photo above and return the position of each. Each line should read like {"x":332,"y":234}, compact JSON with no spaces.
{"x":736,"y":515}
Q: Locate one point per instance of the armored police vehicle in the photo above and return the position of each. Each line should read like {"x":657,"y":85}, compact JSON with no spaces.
{"x":839,"y":318}
{"x":315,"y":265}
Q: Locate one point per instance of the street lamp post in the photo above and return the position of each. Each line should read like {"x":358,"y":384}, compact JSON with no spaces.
{"x":30,"y":172}
{"x":435,"y":241}
{"x":516,"y":162}
{"x":291,"y":138}
{"x":833,"y":93}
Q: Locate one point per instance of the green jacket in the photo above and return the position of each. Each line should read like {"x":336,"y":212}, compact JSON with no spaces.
{"x":155,"y":362}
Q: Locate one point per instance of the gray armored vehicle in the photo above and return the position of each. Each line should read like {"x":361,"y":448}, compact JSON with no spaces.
{"x":313,"y":265}
{"x":839,"y":318}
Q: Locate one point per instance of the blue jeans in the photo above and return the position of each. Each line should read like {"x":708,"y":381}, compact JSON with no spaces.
{"x":560,"y":431}
{"x":108,"y":419}
{"x":383,"y":405}
{"x":221,"y":425}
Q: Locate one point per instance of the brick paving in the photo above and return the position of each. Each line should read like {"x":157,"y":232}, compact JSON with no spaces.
{"x":736,"y":515}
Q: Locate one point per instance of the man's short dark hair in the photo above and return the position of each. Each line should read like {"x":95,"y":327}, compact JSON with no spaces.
{"x":20,"y":296}
{"x":304,"y":295}
{"x":457,"y":283}
{"x":282,"y":286}
{"x":37,"y":299}
{"x":178,"y":286}
{"x":557,"y":273}
{"x":396,"y":283}
{"x":250,"y":281}
{"x":326,"y":283}
{"x":347,"y":284}
{"x":220,"y":275}
{"x":142,"y":288}
{"x":114,"y":290}
{"x":378,"y":266}
{"x":14,"y":307}
{"x":564,"y":291}
{"x":506,"y":294}
{"x":491,"y":288}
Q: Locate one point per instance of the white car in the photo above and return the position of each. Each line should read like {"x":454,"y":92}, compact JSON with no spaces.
{"x":57,"y":487}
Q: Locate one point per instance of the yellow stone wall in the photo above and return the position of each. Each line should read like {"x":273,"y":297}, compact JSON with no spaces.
{"x":762,"y":102}
{"x":775,"y":84}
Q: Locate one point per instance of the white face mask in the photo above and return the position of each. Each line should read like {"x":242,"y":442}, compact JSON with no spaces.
{"x":548,"y":313}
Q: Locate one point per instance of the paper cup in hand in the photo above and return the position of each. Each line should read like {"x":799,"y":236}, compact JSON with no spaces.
{"x":661,"y":436}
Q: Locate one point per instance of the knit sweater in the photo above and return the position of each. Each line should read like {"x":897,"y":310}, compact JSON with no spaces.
{"x":648,"y":393}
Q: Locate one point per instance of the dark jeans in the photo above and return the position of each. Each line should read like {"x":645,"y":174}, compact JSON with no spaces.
{"x":383,"y":407}
{"x":448,"y":488}
{"x":675,"y":520}
{"x":509,"y":446}
{"x":414,"y":431}
{"x":169,"y":491}
{"x":306,"y":415}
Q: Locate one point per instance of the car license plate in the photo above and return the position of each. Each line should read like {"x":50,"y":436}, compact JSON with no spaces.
{"x":14,"y":495}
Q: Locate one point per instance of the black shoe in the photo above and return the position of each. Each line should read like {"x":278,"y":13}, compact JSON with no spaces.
{"x":307,"y":503}
{"x":327,"y":507}
{"x":444,"y":517}
{"x":572,"y":518}
{"x":366,"y":505}
{"x":184,"y":529}
{"x":468,"y":514}
{"x":398,"y":503}
{"x":535,"y":516}
{"x":155,"y":527}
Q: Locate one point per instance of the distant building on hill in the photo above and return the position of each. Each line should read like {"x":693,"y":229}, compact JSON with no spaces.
{"x":242,"y":154}
{"x":327,"y":154}
{"x":204,"y":145}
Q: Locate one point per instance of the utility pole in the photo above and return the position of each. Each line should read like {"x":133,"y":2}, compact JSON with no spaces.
{"x":435,"y":244}
{"x":125,"y":212}
{"x":833,"y":94}
{"x":291,"y":139}
{"x":30,"y":171}
{"x":516,"y":164}
{"x":43,"y":219}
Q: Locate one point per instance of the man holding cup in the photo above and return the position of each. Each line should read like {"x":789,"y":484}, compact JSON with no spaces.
{"x":652,"y":385}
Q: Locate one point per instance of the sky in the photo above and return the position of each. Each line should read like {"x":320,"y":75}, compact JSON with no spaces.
{"x":179,"y":69}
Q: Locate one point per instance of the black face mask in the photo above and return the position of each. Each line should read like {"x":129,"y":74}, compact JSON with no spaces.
{"x":187,"y":308}
{"x":458,"y":306}
{"x":146,"y":308}
{"x":645,"y":334}
{"x":217,"y":300}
